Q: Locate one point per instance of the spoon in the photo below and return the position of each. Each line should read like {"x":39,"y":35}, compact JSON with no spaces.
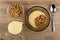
{"x":52,"y":10}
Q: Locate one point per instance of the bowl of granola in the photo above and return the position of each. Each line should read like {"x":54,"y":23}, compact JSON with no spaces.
{"x":15,"y":10}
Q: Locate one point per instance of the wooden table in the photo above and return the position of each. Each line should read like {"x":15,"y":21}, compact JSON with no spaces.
{"x":28,"y":34}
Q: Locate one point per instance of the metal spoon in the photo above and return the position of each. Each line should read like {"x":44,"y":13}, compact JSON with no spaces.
{"x":52,"y":10}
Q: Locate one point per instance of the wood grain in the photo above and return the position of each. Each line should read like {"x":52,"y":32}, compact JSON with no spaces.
{"x":28,"y":34}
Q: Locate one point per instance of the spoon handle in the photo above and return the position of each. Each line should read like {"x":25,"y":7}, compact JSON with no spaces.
{"x":53,"y":25}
